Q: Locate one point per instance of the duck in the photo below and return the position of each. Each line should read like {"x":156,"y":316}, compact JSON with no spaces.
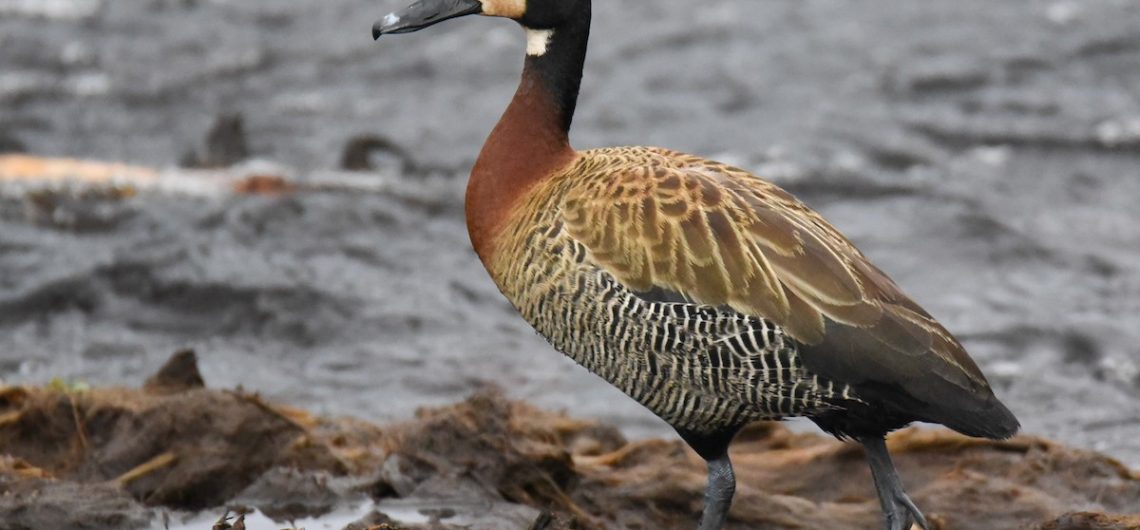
{"x":709,"y":295}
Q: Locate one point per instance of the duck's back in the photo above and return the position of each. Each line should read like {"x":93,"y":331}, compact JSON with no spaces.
{"x":715,"y":298}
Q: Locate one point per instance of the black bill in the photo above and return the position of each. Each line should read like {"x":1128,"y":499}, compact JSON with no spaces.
{"x":424,"y":13}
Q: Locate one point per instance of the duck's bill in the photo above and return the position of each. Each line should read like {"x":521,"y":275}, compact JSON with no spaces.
{"x":424,"y":13}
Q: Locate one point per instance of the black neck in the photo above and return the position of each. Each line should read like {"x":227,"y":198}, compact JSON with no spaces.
{"x":558,"y":72}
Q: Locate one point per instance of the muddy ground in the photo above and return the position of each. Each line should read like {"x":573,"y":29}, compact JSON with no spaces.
{"x":985,"y":154}
{"x":120,"y":458}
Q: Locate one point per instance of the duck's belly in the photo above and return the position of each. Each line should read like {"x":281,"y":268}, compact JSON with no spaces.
{"x":701,"y":368}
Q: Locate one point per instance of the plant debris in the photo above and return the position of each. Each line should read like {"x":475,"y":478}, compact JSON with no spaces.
{"x":105,"y":457}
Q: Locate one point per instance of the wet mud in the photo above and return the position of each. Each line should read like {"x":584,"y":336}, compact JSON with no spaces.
{"x":137,"y":458}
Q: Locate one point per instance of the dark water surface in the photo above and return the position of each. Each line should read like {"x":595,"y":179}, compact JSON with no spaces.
{"x":985,"y":154}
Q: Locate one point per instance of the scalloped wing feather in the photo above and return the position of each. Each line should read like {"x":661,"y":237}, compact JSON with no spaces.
{"x":719,"y":235}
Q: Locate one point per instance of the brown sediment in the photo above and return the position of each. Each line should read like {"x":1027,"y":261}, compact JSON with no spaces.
{"x":101,"y":455}
{"x":191,"y":449}
{"x":1090,"y":521}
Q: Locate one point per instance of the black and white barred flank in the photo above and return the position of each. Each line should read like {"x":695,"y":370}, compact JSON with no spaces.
{"x":701,"y":368}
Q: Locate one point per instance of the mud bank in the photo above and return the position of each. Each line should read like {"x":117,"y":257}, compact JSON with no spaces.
{"x":136,"y":458}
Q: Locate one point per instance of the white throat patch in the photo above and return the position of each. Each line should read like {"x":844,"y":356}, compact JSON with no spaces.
{"x":537,"y":40}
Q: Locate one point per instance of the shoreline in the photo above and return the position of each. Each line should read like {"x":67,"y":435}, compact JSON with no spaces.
{"x":132,"y":457}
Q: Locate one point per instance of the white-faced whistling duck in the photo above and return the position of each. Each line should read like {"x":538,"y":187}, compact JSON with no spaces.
{"x":710,"y":296}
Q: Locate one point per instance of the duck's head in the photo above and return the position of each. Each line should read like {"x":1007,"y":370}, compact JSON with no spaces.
{"x":533,"y":14}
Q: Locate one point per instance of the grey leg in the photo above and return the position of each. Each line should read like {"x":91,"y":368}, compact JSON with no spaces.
{"x":898,"y":510}
{"x":718,"y":493}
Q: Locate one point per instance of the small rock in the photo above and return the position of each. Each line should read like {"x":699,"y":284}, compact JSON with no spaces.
{"x":179,"y":374}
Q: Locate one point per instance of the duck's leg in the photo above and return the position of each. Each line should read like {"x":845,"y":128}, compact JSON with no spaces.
{"x":898,"y":510}
{"x":718,"y":493}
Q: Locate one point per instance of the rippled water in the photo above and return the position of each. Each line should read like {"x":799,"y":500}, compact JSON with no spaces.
{"x":986,"y":155}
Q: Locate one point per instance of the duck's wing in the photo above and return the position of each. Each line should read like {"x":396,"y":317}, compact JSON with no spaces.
{"x":718,"y":235}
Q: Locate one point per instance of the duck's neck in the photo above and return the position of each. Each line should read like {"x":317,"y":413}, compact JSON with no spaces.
{"x":530,"y":142}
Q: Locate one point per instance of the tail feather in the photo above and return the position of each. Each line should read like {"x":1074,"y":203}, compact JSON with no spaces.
{"x":992,"y":419}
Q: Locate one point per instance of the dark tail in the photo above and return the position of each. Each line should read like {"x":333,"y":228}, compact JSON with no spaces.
{"x":990,"y":419}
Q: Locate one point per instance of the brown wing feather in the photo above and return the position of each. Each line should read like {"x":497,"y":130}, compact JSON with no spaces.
{"x":719,"y":235}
